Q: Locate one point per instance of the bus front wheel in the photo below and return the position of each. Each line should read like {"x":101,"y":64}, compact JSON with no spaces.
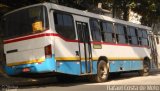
{"x":102,"y":72}
{"x":146,"y":69}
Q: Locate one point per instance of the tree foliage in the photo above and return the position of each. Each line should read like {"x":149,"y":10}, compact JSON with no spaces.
{"x":149,"y":9}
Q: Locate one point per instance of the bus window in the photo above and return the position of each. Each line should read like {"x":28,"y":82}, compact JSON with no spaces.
{"x":129,"y":35}
{"x":120,"y":33}
{"x":20,"y":23}
{"x":144,"y":38}
{"x":95,"y":30}
{"x":139,"y":34}
{"x":107,"y":34}
{"x":133,"y":35}
{"x":144,"y":32}
{"x":64,"y":25}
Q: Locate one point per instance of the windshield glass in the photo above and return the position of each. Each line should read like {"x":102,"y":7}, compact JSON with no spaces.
{"x":21,"y":22}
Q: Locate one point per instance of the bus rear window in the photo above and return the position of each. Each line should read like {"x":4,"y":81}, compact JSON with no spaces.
{"x":21,"y":22}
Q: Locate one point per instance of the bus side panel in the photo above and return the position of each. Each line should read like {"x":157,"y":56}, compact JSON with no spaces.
{"x":73,"y":67}
{"x":69,"y":67}
{"x":118,"y":66}
{"x":136,"y":65}
{"x":67,"y":60}
{"x":94,"y":71}
{"x":123,"y":57}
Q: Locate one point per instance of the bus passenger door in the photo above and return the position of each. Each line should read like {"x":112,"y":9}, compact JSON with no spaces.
{"x":84,"y":44}
{"x":154,"y":51}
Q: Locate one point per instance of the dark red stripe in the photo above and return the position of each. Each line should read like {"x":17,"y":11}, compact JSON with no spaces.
{"x":23,"y":38}
{"x":36,"y":36}
{"x":68,"y":40}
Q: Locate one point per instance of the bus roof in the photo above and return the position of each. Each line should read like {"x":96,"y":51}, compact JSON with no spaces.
{"x":85,"y":14}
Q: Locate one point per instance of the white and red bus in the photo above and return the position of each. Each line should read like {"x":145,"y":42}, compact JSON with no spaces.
{"x":47,"y":38}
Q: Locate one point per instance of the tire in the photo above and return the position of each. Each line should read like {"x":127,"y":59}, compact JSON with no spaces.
{"x":146,"y":69}
{"x":102,"y":72}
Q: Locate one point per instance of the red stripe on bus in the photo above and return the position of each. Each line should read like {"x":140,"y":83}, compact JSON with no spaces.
{"x":36,"y":36}
{"x":68,"y":40}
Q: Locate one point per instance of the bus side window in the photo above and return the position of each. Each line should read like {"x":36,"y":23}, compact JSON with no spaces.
{"x":133,"y":35}
{"x":107,"y":33}
{"x":139,"y":35}
{"x":129,"y":35}
{"x":95,"y":30}
{"x":64,"y":25}
{"x":144,"y":38}
{"x":120,"y":31}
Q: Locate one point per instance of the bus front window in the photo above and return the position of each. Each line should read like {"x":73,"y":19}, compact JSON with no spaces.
{"x":25,"y":21}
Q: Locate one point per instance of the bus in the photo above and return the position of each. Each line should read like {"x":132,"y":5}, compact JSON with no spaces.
{"x":50,"y":38}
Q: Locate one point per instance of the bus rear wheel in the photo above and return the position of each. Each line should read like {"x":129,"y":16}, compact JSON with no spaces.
{"x":102,"y":72}
{"x":146,"y":69}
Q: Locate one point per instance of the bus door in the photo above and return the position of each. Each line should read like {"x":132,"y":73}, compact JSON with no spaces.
{"x":84,"y":44}
{"x":154,"y":53}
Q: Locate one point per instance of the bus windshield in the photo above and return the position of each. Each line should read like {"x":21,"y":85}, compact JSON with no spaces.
{"x":22,"y":22}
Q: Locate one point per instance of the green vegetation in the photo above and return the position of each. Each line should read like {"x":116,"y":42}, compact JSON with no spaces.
{"x":149,"y":9}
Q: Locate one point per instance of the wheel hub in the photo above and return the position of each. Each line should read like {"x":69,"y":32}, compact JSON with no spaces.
{"x":103,"y":72}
